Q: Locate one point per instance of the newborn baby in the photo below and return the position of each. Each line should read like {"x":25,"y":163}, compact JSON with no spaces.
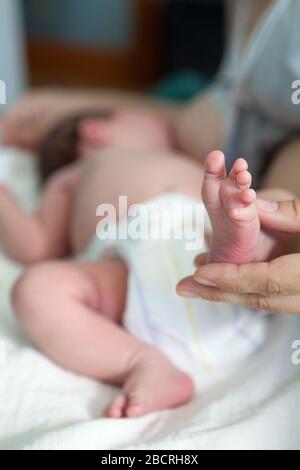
{"x":84,"y":314}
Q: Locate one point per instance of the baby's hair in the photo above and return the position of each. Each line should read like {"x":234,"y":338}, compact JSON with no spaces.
{"x":60,"y":147}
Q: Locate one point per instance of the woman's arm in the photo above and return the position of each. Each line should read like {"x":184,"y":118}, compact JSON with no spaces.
{"x":200,"y":127}
{"x":285,"y":169}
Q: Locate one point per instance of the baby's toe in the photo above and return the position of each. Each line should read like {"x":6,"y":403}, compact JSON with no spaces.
{"x":215,"y":165}
{"x":134,"y":411}
{"x":243,"y":180}
{"x":243,"y":214}
{"x":248,"y":196}
{"x":214,"y":176}
{"x":116,"y":408}
{"x":239,"y":165}
{"x":135,"y":405}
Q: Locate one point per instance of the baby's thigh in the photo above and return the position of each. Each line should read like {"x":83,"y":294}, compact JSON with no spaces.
{"x":110,"y":276}
{"x":52,"y":285}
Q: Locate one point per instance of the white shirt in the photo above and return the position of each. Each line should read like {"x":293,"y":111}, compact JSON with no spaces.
{"x":254,"y":86}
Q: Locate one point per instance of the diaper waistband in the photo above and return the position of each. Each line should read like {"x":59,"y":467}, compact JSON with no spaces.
{"x":170,"y":216}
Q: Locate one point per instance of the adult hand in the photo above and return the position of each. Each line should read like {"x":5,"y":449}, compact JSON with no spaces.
{"x":272,"y":286}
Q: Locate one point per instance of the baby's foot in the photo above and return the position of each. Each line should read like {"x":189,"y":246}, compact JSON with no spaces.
{"x":153,"y":384}
{"x":232,"y":210}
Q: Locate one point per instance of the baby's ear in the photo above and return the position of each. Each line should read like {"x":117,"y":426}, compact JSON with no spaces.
{"x":94,"y":132}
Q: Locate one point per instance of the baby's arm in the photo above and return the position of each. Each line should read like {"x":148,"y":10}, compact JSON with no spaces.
{"x":31,"y":238}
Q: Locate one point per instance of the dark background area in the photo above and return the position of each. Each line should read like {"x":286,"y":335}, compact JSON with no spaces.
{"x":194,"y":35}
{"x":132,"y":44}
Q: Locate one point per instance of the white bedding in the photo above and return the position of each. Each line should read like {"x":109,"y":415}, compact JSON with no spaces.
{"x":45,"y":407}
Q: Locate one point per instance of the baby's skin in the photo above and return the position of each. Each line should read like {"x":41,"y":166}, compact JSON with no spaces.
{"x":80,"y":324}
{"x":130,"y":154}
{"x":231,"y":205}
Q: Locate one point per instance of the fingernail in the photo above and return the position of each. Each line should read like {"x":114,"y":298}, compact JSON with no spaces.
{"x":187,"y":293}
{"x":205,"y":282}
{"x":267,"y":206}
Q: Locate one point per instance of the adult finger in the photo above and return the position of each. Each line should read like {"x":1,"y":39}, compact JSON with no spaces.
{"x":283,"y":215}
{"x":285,"y":304}
{"x":278,"y":277}
{"x":200,"y":259}
{"x":188,"y":287}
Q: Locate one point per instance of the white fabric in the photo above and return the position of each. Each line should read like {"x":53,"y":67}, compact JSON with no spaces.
{"x":205,"y":339}
{"x":254,"y":86}
{"x":45,"y":407}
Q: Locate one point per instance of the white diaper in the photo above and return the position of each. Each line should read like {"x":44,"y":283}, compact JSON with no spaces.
{"x":213,"y":336}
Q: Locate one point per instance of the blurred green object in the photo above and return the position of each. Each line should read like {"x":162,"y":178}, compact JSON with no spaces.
{"x":180,"y":86}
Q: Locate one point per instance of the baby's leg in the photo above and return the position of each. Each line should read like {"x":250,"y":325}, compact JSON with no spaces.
{"x":233,"y":214}
{"x":236,"y":236}
{"x":64,"y":309}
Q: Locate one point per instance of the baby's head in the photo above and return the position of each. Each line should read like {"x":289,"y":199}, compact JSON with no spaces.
{"x":79,"y":136}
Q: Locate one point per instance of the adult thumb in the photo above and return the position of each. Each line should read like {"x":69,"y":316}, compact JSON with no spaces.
{"x":283,"y":216}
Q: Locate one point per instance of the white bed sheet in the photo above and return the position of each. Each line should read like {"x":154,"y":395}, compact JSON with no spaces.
{"x":45,"y":407}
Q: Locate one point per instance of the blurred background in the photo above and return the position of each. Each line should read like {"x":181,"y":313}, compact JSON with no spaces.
{"x":169,"y":47}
